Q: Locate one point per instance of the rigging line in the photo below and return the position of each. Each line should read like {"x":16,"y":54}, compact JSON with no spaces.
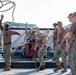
{"x":9,"y":2}
{"x":13,"y":12}
{"x":1,"y":3}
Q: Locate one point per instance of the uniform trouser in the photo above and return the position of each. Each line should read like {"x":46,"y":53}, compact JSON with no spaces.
{"x":72,"y":58}
{"x":7,"y":54}
{"x":54,"y":44}
{"x":61,"y":53}
{"x":57,"y":55}
{"x":41,"y":57}
{"x":54,"y":47}
{"x":64,"y":56}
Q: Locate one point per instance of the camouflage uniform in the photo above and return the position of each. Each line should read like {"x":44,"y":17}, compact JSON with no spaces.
{"x":54,"y":41}
{"x":7,"y":47}
{"x":40,"y":43}
{"x":54,"y":38}
{"x":71,"y":57}
{"x":57,"y":55}
{"x":72,"y":51}
{"x":41,"y":56}
{"x":57,"y":52}
{"x":7,"y":53}
{"x":74,"y":59}
{"x":6,"y":33}
{"x":64,"y":55}
{"x":61,"y":53}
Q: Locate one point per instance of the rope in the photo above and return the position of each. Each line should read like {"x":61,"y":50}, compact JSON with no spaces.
{"x":40,"y":64}
{"x":6,"y":3}
{"x":35,"y":59}
{"x":45,"y":35}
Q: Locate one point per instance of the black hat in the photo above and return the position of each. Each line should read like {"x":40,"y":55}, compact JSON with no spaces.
{"x":54,"y":24}
{"x":7,"y":25}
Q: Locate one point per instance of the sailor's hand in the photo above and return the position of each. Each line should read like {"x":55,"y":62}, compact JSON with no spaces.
{"x":67,"y":48}
{"x":40,"y":49}
{"x":19,"y":48}
{"x":19,"y":34}
{"x":2,"y":16}
{"x":35,"y":49}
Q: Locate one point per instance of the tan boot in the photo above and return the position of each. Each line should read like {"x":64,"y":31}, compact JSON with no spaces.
{"x":58,"y":68}
{"x":7,"y":68}
{"x":4,"y":67}
{"x":64,"y":70}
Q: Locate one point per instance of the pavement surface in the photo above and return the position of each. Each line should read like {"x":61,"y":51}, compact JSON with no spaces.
{"x":19,"y":71}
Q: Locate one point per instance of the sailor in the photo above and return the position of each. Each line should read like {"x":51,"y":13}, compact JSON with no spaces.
{"x":70,"y":40}
{"x":55,"y":37}
{"x":7,"y":33}
{"x":71,"y":48}
{"x":40,"y":43}
{"x":62,"y":52}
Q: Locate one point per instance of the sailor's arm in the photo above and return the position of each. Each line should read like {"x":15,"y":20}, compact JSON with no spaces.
{"x":15,"y":33}
{"x":67,"y":36}
{"x":2,"y":16}
{"x":44,"y":43}
{"x":70,"y":40}
{"x":36,"y":45}
{"x":42,"y":47}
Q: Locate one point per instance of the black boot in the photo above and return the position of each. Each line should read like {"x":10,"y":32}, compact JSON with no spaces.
{"x":44,"y":66}
{"x":41,"y":68}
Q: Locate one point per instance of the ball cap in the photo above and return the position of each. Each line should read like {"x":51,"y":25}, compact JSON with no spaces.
{"x":74,"y":14}
{"x":70,"y":15}
{"x":59,"y":22}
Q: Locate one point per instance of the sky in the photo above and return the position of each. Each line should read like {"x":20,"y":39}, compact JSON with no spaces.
{"x":43,"y":13}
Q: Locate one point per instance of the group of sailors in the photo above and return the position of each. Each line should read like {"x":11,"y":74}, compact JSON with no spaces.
{"x":7,"y":44}
{"x":64,"y":45}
